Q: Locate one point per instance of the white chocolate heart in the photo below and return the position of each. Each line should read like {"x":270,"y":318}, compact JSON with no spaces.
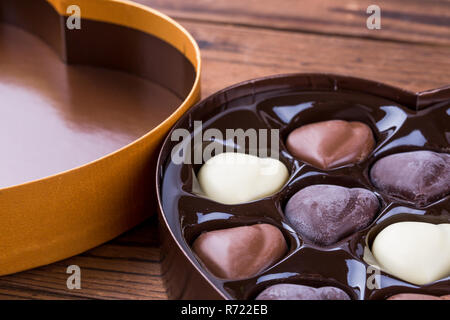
{"x":232,"y":178}
{"x":416,"y":252}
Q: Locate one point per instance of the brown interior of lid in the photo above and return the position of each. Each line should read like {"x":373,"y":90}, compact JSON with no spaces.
{"x":68,"y":97}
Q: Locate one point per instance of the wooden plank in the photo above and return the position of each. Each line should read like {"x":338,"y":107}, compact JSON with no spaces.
{"x":232,"y":54}
{"x":125,"y":268}
{"x":401,"y":20}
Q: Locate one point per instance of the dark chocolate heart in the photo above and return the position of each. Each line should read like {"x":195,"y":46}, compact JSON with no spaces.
{"x":298,"y":292}
{"x":420,"y":177}
{"x":327,"y":213}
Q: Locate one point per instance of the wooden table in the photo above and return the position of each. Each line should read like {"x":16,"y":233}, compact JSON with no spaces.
{"x":246,"y":39}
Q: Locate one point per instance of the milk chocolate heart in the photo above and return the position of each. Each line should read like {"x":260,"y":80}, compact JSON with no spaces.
{"x":327,"y":213}
{"x":299,"y":292}
{"x":416,"y":252}
{"x":240,"y":252}
{"x":330,"y":144}
{"x":419,"y":176}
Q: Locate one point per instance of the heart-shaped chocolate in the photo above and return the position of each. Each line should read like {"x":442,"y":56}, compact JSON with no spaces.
{"x":286,"y":291}
{"x":327,"y":213}
{"x":416,"y":252}
{"x":419,"y":176}
{"x":330,"y":144}
{"x":233,"y":178}
{"x":240,"y":252}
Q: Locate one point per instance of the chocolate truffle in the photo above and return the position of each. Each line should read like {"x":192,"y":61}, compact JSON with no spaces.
{"x":327,"y":213}
{"x":299,"y":292}
{"x":420,"y":177}
{"x":416,"y":296}
{"x":233,"y":178}
{"x":331,"y":144}
{"x":240,"y":252}
{"x":417,"y":252}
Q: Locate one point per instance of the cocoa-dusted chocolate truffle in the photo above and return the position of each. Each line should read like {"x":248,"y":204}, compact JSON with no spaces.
{"x":420,"y":177}
{"x":330,"y":144}
{"x":233,"y":178}
{"x":327,"y":213}
{"x":416,"y":296}
{"x":417,"y":252}
{"x":299,"y":292}
{"x":240,"y":252}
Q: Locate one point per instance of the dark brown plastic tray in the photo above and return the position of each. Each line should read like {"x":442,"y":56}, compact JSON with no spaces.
{"x":400,"y":120}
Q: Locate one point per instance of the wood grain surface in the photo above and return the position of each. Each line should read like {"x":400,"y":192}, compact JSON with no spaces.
{"x":125,"y":268}
{"x":240,"y":40}
{"x":402,"y":20}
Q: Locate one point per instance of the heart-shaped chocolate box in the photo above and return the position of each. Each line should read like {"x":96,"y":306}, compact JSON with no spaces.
{"x":400,"y":120}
